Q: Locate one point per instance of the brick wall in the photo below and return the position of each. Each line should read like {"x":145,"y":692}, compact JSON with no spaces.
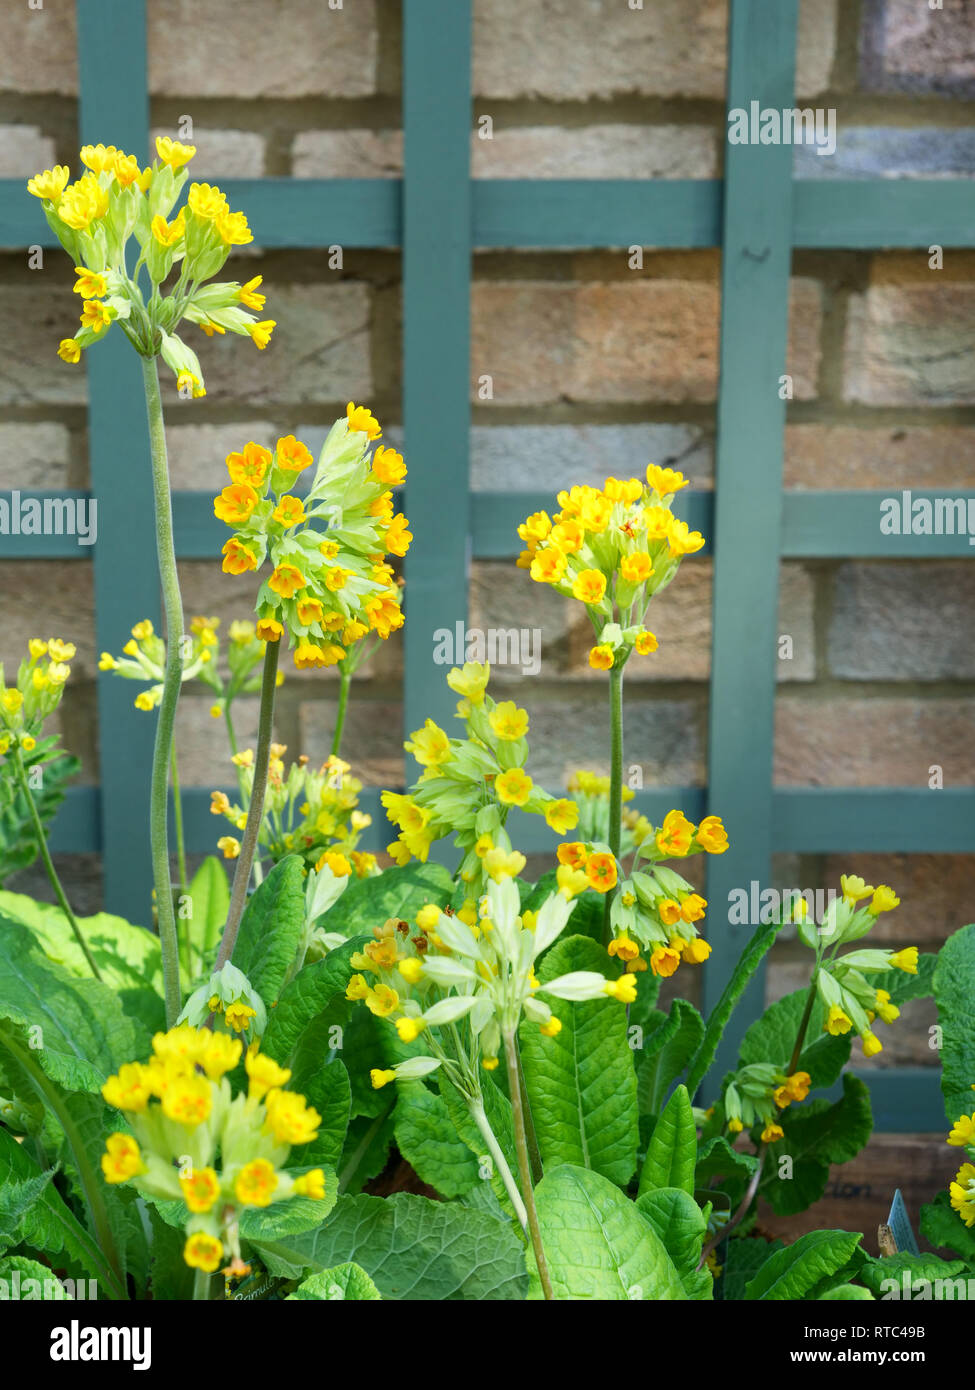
{"x":596,"y":368}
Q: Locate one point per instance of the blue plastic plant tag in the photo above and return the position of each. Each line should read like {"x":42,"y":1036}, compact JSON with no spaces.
{"x":900,"y":1226}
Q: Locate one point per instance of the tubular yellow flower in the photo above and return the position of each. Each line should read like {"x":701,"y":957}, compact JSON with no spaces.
{"x":962,"y":1132}
{"x":884,"y":900}
{"x":238,"y":1015}
{"x":290,"y":1118}
{"x":711,"y":835}
{"x":311,"y":1184}
{"x":203,"y":1251}
{"x":624,"y":947}
{"x":228,"y":846}
{"x":513,"y":787}
{"x":589,"y":586}
{"x":261,"y":332}
{"x":233,"y":230}
{"x":188,"y":1100}
{"x":50,"y":184}
{"x":361,"y":419}
{"x":129,"y":1089}
{"x":69,"y":350}
{"x":675,"y":835}
{"x":562,"y":815}
{"x":235,"y":504}
{"x":381,"y":1078}
{"x":692,"y":908}
{"x":409,"y":1029}
{"x":837,"y":1021}
{"x":664,"y":961}
{"x":548,"y":566}
{"x":696,"y":951}
{"x":601,"y":658}
{"x":91,"y":284}
{"x":664,"y":480}
{"x":382,"y":1001}
{"x":99,"y":158}
{"x":887,"y":1011}
{"x":248,"y":296}
{"x":263,"y":1072}
{"x":173,"y":153}
{"x":291,"y":455}
{"x":255,"y":1183}
{"x":871,"y":1044}
{"x":289,"y":512}
{"x":201,"y":1189}
{"x":601,"y":872}
{"x":636,"y":569}
{"x":286,"y":580}
{"x":645,"y":643}
{"x":388,"y":466}
{"x":552,"y":1028}
{"x":772,"y":1132}
{"x":905,"y":960}
{"x":508,"y":722}
{"x":221,"y":1054}
{"x":122,"y":1159}
{"x":250,"y":466}
{"x":623,"y":990}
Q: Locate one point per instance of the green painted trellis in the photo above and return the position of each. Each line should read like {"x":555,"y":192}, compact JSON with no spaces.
{"x":437,"y":214}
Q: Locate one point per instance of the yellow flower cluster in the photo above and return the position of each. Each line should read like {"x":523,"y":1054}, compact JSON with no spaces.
{"x":309,"y":812}
{"x":757,"y":1093}
{"x":192,"y":1140}
{"x":851,"y":1002}
{"x":331,"y":584}
{"x":36,"y":695}
{"x":961,"y":1192}
{"x":144,"y":659}
{"x":468,"y":785}
{"x":94,"y":217}
{"x":612,"y":548}
{"x":474,"y":971}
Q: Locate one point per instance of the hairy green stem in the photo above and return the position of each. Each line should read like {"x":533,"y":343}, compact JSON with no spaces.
{"x":178,"y":823}
{"x":201,"y":1285}
{"x":524,"y":1164}
{"x":345,"y":681}
{"x":478,"y":1115}
{"x":534,"y":1153}
{"x":173,"y":607}
{"x":48,"y":862}
{"x":615,"y":784}
{"x":255,"y":812}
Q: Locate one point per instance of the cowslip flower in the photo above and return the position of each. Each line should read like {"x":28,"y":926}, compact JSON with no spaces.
{"x":612,"y":548}
{"x":113,"y":200}
{"x":330,"y":584}
{"x":193,"y":1141}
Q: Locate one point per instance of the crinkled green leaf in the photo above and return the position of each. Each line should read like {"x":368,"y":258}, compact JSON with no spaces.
{"x":954,"y":989}
{"x":348,"y":1281}
{"x":581,"y":1084}
{"x":49,"y":1225}
{"x":271,"y":928}
{"x":308,"y":995}
{"x":748,"y":963}
{"x":817,"y":1134}
{"x":75,"y":1028}
{"x":598,"y":1246}
{"x":717,"y":1158}
{"x":411,"y":1248}
{"x":326,"y":1088}
{"x":17,"y":1272}
{"x":367,"y":1145}
{"x":427,"y":1139}
{"x":742,"y":1257}
{"x":680,"y":1224}
{"x":672,"y":1151}
{"x":396,"y":892}
{"x":170,"y":1277}
{"x":792,"y":1272}
{"x":666,"y":1052}
{"x":878,"y":1274}
{"x":944,"y":1228}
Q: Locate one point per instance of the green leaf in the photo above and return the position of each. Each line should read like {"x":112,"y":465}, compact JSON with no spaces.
{"x":748,"y":963}
{"x":666,"y":1053}
{"x":878,"y":1274}
{"x":954,"y":986}
{"x":283,"y":1219}
{"x":326,"y":1087}
{"x":429,"y":1142}
{"x":75,"y":1028}
{"x":309,"y":994}
{"x":717,"y":1158}
{"x":49,"y":1225}
{"x":846,"y":1293}
{"x":396,"y":892}
{"x":271,"y":928}
{"x":598,"y":1246}
{"x":16,"y":1271}
{"x":367,"y":1146}
{"x":772,"y":1038}
{"x":743,"y":1258}
{"x":680,"y":1224}
{"x":817,"y":1134}
{"x":792,"y":1272}
{"x":349,"y":1281}
{"x":581,"y":1083}
{"x":210,"y":902}
{"x":170,"y":1277}
{"x":411,"y":1248}
{"x":16,"y":1198}
{"x":672,"y":1152}
{"x":943,"y":1227}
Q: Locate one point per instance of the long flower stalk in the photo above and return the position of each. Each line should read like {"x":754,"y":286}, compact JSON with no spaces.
{"x":615,"y":784}
{"x":255,"y":812}
{"x":162,"y":753}
{"x":524,"y":1162}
